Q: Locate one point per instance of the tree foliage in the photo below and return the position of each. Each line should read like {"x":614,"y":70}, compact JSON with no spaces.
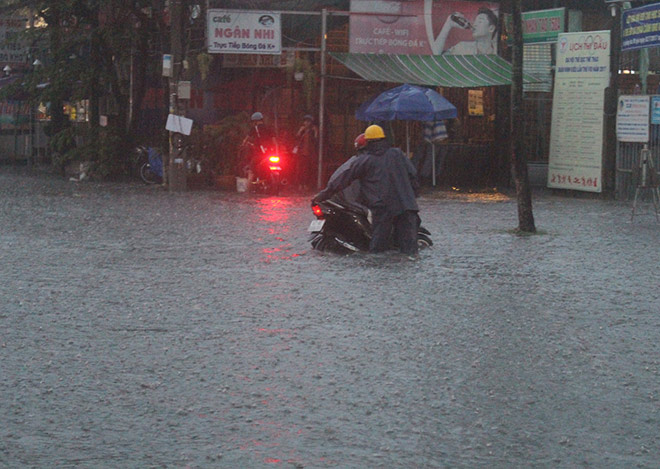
{"x":89,"y":50}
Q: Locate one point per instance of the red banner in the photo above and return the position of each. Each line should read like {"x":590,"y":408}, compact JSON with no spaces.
{"x":423,"y":27}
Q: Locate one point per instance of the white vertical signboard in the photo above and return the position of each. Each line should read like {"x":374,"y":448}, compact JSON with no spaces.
{"x":576,"y":142}
{"x":632,"y":119}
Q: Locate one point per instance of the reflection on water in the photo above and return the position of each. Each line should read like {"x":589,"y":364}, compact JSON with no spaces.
{"x":276,"y":211}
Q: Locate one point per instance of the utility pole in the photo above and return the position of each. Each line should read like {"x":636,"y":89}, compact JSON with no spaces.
{"x":176,"y":177}
{"x":324,"y":33}
{"x":611,"y":103}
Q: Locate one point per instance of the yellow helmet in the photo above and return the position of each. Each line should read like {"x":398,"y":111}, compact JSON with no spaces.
{"x":374,"y":132}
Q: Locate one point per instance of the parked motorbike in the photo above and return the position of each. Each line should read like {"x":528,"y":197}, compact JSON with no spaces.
{"x":344,"y":228}
{"x":149,"y":164}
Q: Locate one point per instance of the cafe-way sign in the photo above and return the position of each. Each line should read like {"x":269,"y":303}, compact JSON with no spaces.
{"x":243,"y":32}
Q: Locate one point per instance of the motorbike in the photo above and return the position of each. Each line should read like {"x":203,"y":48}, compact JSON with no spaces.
{"x":268,"y":171}
{"x":149,"y":164}
{"x":268,"y":174}
{"x":343,"y":228}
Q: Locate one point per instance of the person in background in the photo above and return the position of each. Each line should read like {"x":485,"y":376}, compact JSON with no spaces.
{"x":306,"y":151}
{"x":259,"y":140}
{"x":388,"y":187}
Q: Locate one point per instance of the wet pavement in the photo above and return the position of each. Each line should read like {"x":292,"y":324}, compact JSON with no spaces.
{"x":147,"y":329}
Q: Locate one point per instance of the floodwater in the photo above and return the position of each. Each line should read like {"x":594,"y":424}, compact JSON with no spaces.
{"x":142,"y":329}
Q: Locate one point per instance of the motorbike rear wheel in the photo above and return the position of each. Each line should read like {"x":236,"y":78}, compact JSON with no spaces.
{"x":148,"y":176}
{"x":423,"y":241}
{"x":274,"y":184}
{"x":329,"y":243}
{"x":139,"y":157}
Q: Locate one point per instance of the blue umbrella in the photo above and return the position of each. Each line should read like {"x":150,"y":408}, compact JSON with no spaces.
{"x":407,"y":102}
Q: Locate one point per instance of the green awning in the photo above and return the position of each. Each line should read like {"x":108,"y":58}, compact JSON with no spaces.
{"x":450,"y":71}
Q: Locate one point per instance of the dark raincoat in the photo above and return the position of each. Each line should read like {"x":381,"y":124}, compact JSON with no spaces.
{"x":388,"y":180}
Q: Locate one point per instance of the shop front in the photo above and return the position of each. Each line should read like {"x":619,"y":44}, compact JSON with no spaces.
{"x":473,"y":154}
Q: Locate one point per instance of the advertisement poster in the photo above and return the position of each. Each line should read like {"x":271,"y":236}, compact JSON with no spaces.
{"x":13,"y":49}
{"x":655,"y":110}
{"x":424,"y":27}
{"x":475,"y":103}
{"x":576,"y":140}
{"x":640,"y":27}
{"x":243,"y":32}
{"x":632,"y":119}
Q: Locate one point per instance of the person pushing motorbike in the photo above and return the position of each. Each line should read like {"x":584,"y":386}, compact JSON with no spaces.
{"x":351,"y":194}
{"x":388,"y":187}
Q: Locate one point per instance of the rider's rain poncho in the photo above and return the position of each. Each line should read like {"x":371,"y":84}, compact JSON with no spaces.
{"x":388,"y":179}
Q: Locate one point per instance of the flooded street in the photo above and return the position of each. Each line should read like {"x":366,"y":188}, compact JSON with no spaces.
{"x":144,"y":329}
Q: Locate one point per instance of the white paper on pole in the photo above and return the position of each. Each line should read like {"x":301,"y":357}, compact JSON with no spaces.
{"x":179,"y":124}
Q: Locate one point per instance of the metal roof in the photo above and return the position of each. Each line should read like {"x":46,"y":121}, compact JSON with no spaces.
{"x":451,"y":71}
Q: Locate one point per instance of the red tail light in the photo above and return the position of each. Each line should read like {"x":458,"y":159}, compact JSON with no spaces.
{"x":274,"y":161}
{"x":317,"y":211}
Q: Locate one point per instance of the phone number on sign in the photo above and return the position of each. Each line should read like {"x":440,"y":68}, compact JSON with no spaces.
{"x":559,"y":178}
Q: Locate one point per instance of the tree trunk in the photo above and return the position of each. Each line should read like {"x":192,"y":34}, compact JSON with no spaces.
{"x":518,"y":159}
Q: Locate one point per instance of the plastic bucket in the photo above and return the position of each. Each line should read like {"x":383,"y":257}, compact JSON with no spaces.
{"x":241,"y":184}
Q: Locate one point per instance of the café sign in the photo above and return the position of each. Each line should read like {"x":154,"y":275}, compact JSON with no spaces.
{"x":243,"y":32}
